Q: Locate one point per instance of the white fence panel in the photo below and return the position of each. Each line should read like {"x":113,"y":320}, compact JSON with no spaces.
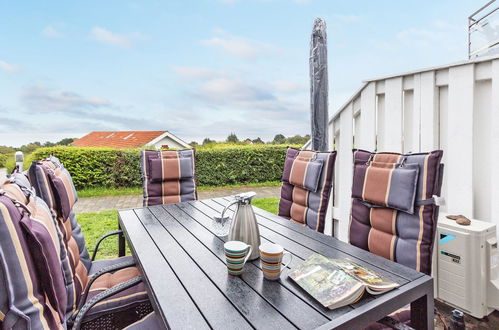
{"x":345,"y":163}
{"x":460,"y":146}
{"x":393,"y":115}
{"x":366,"y":138}
{"x":494,"y":154}
{"x":454,"y":108}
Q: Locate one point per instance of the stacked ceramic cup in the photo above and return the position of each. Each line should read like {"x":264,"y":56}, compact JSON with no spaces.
{"x":271,"y":256}
{"x":236,"y":255}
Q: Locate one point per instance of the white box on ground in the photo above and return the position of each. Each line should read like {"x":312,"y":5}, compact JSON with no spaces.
{"x":467,"y":266}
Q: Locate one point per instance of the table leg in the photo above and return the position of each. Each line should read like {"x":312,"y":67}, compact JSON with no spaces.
{"x":121,"y":243}
{"x":422,"y":311}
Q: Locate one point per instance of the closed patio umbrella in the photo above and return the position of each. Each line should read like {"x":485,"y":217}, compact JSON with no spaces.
{"x":319,"y":86}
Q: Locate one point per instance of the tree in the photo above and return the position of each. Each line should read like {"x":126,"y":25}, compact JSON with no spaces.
{"x":297,"y":139}
{"x":66,"y":141}
{"x":232,"y":138}
{"x":279,"y":139}
{"x":208,"y":141}
{"x":258,"y":141}
{"x":29,"y":148}
{"x":194,"y":144}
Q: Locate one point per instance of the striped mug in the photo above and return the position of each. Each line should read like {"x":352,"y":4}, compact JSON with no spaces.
{"x":271,"y":256}
{"x":236,"y":255}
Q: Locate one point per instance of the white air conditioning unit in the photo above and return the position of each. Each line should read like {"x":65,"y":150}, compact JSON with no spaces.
{"x":467,"y":262}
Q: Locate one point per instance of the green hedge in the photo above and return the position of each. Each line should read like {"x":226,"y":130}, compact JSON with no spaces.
{"x":3,"y":160}
{"x":106,"y":167}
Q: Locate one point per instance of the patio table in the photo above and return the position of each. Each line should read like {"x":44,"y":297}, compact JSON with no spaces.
{"x":183,"y":266}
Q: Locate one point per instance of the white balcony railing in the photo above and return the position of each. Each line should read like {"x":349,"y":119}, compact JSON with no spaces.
{"x":453,"y":107}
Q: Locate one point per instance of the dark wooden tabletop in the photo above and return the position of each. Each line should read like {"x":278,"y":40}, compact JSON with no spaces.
{"x":183,"y":265}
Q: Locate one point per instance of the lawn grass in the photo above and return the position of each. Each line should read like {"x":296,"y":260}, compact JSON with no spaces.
{"x":270,"y":204}
{"x":103,"y":191}
{"x":94,"y":225}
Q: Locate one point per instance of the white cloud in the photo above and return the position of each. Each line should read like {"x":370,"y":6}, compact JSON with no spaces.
{"x":438,"y":34}
{"x":44,"y":99}
{"x":233,"y":96}
{"x":284,"y":86}
{"x":5,"y":66}
{"x":108,"y":37}
{"x":51,"y":32}
{"x":348,"y":18}
{"x":195,"y":72}
{"x":239,"y":46}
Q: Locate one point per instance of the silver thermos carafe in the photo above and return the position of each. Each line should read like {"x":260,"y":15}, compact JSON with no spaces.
{"x":244,"y":226}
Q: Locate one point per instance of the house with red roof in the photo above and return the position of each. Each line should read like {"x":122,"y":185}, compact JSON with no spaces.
{"x":132,"y":139}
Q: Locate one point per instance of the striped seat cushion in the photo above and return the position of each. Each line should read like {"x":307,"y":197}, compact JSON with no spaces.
{"x":24,"y":304}
{"x":306,"y":187}
{"x":126,"y":299}
{"x":399,"y":236}
{"x":150,"y":321}
{"x":168,"y":176}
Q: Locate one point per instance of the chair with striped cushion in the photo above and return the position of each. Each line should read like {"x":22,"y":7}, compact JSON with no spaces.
{"x":307,"y":179}
{"x":91,"y":278}
{"x":394,"y":212}
{"x":168,"y":176}
{"x":111,"y":298}
{"x":29,"y":299}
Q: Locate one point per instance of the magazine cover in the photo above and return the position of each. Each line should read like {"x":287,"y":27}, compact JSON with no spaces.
{"x":325,"y":281}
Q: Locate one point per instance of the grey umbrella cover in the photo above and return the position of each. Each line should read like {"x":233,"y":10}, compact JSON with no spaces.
{"x":319,"y":86}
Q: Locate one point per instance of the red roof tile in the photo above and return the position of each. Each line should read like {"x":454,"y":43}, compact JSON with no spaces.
{"x":117,"y":139}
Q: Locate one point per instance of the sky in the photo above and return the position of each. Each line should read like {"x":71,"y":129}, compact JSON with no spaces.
{"x":203,"y":68}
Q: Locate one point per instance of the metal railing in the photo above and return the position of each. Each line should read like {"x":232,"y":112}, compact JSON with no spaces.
{"x":483,"y":30}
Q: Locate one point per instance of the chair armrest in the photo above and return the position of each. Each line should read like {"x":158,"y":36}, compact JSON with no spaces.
{"x":394,"y":324}
{"x":116,"y":232}
{"x":112,"y":268}
{"x":103,"y":295}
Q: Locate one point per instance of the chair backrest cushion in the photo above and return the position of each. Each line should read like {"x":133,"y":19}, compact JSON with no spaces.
{"x":390,"y":185}
{"x":395,"y":232}
{"x":307,"y":179}
{"x":41,"y":215}
{"x":72,"y":236}
{"x":26,"y":302}
{"x":168,"y":176}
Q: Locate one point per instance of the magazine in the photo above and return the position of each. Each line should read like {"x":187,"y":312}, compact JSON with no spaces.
{"x":338,"y":282}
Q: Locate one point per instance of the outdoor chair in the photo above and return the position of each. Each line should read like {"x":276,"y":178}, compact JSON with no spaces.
{"x":35,"y":272}
{"x":54,"y":185}
{"x":394,"y":209}
{"x":306,"y":187}
{"x":148,"y":322}
{"x":168,"y":176}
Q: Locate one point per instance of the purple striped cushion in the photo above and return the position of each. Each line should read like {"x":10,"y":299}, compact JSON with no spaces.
{"x":305,"y":202}
{"x":43,"y":240}
{"x":305,"y":173}
{"x":24,"y":303}
{"x":386,"y":184}
{"x":168,"y":176}
{"x":62,"y":187}
{"x":400,"y":236}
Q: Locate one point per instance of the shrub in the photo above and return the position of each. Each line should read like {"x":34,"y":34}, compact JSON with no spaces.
{"x":107,"y":167}
{"x":3,"y":160}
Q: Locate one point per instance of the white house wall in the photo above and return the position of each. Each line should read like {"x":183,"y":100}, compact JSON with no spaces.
{"x":168,"y":141}
{"x":454,"y":108}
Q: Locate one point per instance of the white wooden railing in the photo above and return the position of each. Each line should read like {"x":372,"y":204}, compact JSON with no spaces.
{"x":453,"y":107}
